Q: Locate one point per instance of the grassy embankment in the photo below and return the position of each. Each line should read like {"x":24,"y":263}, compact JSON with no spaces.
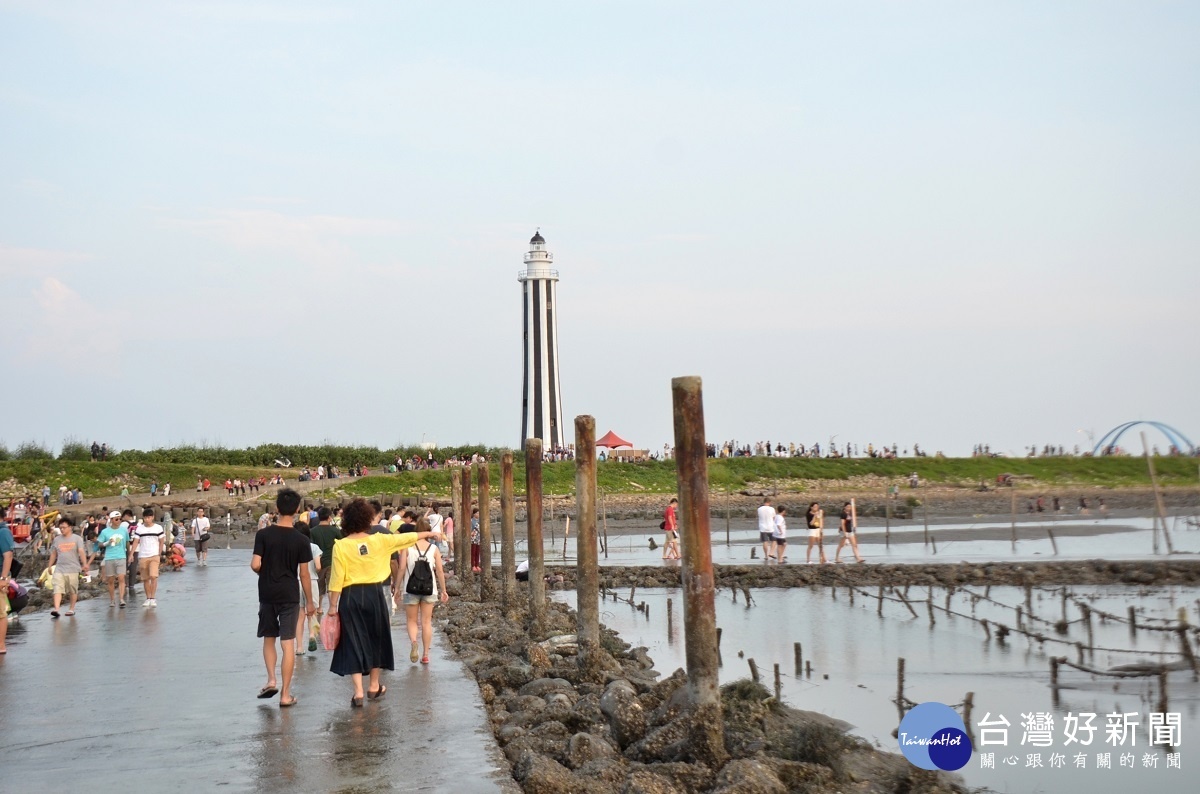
{"x":790,"y":474}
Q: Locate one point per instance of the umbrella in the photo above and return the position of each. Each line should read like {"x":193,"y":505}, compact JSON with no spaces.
{"x":611,"y":440}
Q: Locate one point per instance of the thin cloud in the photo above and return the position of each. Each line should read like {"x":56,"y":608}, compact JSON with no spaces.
{"x":24,"y":261}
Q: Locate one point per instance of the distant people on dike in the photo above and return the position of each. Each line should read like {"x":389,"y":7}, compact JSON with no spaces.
{"x":279,"y":551}
{"x":766,"y":527}
{"x":849,"y":533}
{"x":815,"y":519}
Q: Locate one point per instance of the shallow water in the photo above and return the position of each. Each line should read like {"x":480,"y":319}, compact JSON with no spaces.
{"x":858,"y":650}
{"x":1076,"y":538}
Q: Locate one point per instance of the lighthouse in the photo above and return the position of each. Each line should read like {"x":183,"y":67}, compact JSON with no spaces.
{"x":541,"y":403}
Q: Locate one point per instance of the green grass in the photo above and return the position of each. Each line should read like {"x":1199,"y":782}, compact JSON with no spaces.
{"x":792,"y":474}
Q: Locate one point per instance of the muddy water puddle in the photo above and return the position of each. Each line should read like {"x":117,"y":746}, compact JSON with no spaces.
{"x":853,"y":652}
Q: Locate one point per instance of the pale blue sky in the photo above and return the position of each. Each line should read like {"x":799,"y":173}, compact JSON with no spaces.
{"x":942,"y":222}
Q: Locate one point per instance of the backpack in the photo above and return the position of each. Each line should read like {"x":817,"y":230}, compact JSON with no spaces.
{"x":420,"y":581}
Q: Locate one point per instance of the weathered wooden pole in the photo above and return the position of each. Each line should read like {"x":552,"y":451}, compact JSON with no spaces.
{"x":533,"y":522}
{"x":604,"y":519}
{"x":462,"y":527}
{"x":925,"y":513}
{"x":900,"y":686}
{"x":508,"y":565}
{"x":486,"y":584}
{"x":753,"y":669}
{"x":778,"y":684}
{"x":887,"y":517}
{"x":798,"y":651}
{"x":1158,"y":502}
{"x":587,"y":584}
{"x":455,"y":503}
{"x":728,"y":502}
{"x":699,"y":608}
{"x":1013,"y":515}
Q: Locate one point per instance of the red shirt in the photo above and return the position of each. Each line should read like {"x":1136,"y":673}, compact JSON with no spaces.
{"x":669,"y":517}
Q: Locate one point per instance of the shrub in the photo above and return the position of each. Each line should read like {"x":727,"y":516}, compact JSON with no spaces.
{"x":74,"y":449}
{"x":32,"y":450}
{"x":4,"y":453}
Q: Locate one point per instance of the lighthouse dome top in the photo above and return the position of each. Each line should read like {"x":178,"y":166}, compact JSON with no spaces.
{"x":537,"y":238}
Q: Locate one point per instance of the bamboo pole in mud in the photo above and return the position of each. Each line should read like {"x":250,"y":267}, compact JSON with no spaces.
{"x":485,"y":532}
{"x":1158,"y":502}
{"x":508,"y":582}
{"x":604,"y":520}
{"x":533,"y":524}
{"x":900,"y":686}
{"x":699,"y":608}
{"x":778,"y":684}
{"x":462,"y":527}
{"x":587,"y":587}
{"x":728,"y":500}
{"x":925,"y":512}
{"x":455,"y":502}
{"x":887,"y":517}
{"x":1013,"y":515}
{"x":798,"y":651}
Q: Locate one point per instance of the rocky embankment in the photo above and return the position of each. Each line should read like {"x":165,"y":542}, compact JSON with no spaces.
{"x":619,"y":727}
{"x":1016,"y":574}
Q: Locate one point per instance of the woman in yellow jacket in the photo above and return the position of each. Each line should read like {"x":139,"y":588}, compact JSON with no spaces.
{"x":361,"y":567}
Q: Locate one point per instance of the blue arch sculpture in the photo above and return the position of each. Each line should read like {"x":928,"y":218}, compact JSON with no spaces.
{"x":1177,"y":439}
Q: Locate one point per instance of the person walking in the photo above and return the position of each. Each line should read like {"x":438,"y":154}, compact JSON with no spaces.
{"x":475,"y":540}
{"x":279,"y":552}
{"x":848,"y":532}
{"x":766,"y":527}
{"x":68,"y":558}
{"x":420,"y":593}
{"x":815,"y":519}
{"x":114,"y":539}
{"x":200,"y":537}
{"x":779,"y":536}
{"x":670,"y":525}
{"x":324,"y":534}
{"x":307,"y":640}
{"x":8,"y":548}
{"x":148,"y":539}
{"x":361,"y":564}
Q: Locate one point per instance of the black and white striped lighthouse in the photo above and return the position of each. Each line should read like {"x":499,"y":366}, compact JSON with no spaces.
{"x":541,"y":404}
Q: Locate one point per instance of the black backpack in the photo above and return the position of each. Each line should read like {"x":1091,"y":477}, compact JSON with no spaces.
{"x":420,"y":581}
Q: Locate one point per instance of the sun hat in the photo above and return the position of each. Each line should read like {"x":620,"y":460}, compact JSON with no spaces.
{"x":115,"y":514}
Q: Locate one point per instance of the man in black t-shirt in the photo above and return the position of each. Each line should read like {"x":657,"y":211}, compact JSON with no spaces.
{"x":279,"y":552}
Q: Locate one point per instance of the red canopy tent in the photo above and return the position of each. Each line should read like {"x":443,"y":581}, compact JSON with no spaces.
{"x":611,"y":440}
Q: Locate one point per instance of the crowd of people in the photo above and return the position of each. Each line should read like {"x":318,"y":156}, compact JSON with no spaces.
{"x":765,"y":449}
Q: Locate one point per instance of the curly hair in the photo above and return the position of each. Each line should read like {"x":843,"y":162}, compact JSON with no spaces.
{"x":357,"y":516}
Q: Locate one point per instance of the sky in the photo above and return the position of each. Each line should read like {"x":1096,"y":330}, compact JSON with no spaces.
{"x":936,"y":222}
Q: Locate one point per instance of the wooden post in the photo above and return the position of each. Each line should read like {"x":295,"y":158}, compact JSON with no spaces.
{"x":463,"y":526}
{"x":925,"y":512}
{"x":778,"y":685}
{"x":887,"y":517}
{"x":486,"y":584}
{"x":699,"y":608}
{"x":566,"y":534}
{"x":1132,"y":621}
{"x":798,"y":652}
{"x":880,"y":610}
{"x":905,"y":602}
{"x":1054,"y":672}
{"x":670,"y":617}
{"x":808,"y":669}
{"x":1053,"y":542}
{"x":728,"y":500}
{"x":1087,"y":619}
{"x":533,"y":522}
{"x":1158,"y":502}
{"x":900,"y":686}
{"x":587,"y":585}
{"x":929,"y":604}
{"x":1162,"y":691}
{"x":753,"y":669}
{"x":987,"y":629}
{"x":456,"y":507}
{"x":1186,"y":647}
{"x":968,"y":707}
{"x":508,"y":565}
{"x":1013,"y":494}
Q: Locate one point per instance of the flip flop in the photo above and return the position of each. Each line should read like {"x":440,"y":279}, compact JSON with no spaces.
{"x":268,"y":692}
{"x":70,"y":614}
{"x":377,"y":695}
{"x":54,"y":614}
{"x":283,"y":704}
{"x":356,"y":702}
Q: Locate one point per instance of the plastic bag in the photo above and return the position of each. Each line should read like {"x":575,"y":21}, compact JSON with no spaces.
{"x":331,"y":631}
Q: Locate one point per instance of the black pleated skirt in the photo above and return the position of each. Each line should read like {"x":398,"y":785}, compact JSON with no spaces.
{"x":366,"y":641}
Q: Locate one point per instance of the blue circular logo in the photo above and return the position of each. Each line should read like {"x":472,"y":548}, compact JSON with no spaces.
{"x":933,"y":736}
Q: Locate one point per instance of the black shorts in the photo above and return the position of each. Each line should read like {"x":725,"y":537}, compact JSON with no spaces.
{"x":278,"y":620}
{"x":780,"y":541}
{"x":765,"y":537}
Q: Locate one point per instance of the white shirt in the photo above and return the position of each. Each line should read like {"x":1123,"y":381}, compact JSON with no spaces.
{"x":523,"y":567}
{"x":435,"y":522}
{"x":766,"y":519}
{"x":149,"y":538}
{"x":780,"y":527}
{"x":200,"y":525}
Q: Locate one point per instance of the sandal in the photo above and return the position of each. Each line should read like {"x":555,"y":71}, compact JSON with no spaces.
{"x":283,"y":704}
{"x":269,"y":691}
{"x":424,"y":660}
{"x":377,"y":695}
{"x":356,"y":703}
{"x":414,"y":654}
